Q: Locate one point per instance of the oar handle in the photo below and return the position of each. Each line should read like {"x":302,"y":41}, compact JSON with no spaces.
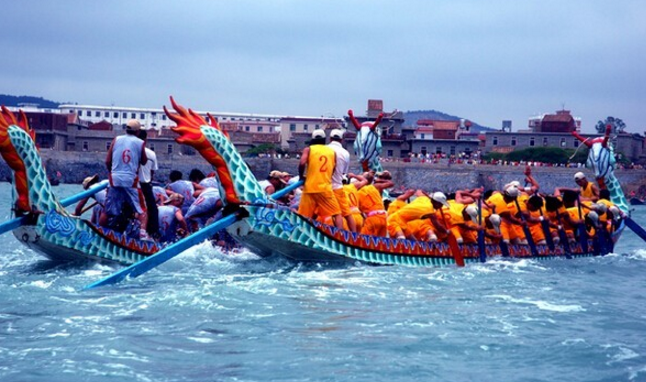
{"x":14,"y":223}
{"x":175,"y":249}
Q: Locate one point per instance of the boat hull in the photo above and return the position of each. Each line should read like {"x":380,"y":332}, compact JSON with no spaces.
{"x":281,"y":232}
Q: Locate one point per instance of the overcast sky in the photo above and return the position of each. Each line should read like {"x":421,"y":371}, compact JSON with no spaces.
{"x":482,"y":60}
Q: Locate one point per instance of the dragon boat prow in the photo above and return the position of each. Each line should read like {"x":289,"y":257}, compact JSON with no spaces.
{"x":44,"y":224}
{"x":271,"y":229}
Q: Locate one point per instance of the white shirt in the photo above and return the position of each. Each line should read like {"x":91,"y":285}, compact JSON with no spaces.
{"x":145,"y":171}
{"x":126,"y":153}
{"x":342,"y":164}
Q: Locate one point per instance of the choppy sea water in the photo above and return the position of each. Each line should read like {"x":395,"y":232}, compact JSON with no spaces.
{"x":212,"y":316}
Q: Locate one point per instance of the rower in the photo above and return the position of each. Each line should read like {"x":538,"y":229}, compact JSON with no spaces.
{"x":352,"y":183}
{"x":189,"y":190}
{"x":170,"y":217}
{"x":319,"y":160}
{"x":274,"y":182}
{"x":203,"y":209}
{"x":501,"y":202}
{"x":99,"y":198}
{"x":588,"y":190}
{"x":371,"y":203}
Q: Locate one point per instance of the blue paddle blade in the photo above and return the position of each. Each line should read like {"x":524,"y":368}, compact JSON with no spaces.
{"x":12,"y":224}
{"x":481,"y":246}
{"x":165,"y":254}
{"x":175,"y":249}
{"x":504,"y":248}
{"x":636,"y":228}
{"x":548,"y":235}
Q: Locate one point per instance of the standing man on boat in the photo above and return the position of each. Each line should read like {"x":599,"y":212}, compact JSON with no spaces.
{"x":341,"y":168}
{"x":588,"y":190}
{"x":125,"y":155}
{"x":319,"y":160}
{"x":146,"y":174}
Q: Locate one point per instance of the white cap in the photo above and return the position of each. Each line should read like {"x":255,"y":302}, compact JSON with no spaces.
{"x":511,"y":190}
{"x":616,"y":213}
{"x":593,"y":216}
{"x":579,"y":175}
{"x":133,"y":125}
{"x":440,"y":198}
{"x":472,"y":211}
{"x":495,"y":222}
{"x":514,"y":183}
{"x":601,"y":208}
{"x":336,"y":133}
{"x":318,"y":133}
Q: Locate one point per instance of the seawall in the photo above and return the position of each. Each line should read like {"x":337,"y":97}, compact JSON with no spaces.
{"x":75,"y":166}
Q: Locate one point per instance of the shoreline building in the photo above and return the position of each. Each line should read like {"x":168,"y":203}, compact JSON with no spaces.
{"x":555,"y":130}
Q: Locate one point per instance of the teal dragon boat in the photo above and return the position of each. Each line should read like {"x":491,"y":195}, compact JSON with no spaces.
{"x":272,"y":230}
{"x":268,"y":229}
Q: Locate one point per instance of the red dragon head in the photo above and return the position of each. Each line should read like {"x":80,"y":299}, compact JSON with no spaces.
{"x":10,"y":155}
{"x":188,"y":127}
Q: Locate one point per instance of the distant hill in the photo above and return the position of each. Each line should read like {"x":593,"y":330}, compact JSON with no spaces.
{"x":9,"y":100}
{"x":411,"y":118}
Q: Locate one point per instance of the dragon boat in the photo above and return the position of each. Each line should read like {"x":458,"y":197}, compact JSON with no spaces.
{"x":268,"y":229}
{"x":41,"y":222}
{"x":272,"y":230}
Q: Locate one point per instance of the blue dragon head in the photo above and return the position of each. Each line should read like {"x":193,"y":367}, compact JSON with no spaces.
{"x":601,"y":157}
{"x":367,"y":144}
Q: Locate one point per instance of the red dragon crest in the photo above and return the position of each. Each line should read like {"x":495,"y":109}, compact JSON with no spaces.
{"x":188,"y":127}
{"x":10,"y":155}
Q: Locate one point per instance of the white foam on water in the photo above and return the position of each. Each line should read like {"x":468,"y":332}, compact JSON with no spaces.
{"x":201,"y":340}
{"x":543,"y":305}
{"x":622,"y":353}
{"x":41,"y":284}
{"x":635,"y":374}
{"x":572,"y":341}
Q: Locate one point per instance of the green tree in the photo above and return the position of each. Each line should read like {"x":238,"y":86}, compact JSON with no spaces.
{"x":616,"y":124}
{"x":262,"y":149}
{"x":543,"y":154}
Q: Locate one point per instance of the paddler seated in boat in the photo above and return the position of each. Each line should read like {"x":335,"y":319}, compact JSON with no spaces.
{"x":160,"y":195}
{"x":464,"y":222}
{"x":588,"y":190}
{"x":352,"y":183}
{"x":575,"y":212}
{"x":98,"y":197}
{"x":171,"y":220}
{"x":398,"y":222}
{"x":189,"y":190}
{"x":203,"y":209}
{"x":558,"y":216}
{"x":371,"y":203}
{"x":530,"y":207}
{"x":206,"y":181}
{"x":402,"y":200}
{"x":436,"y":222}
{"x":274,"y":182}
{"x":502,"y":202}
{"x":315,"y":168}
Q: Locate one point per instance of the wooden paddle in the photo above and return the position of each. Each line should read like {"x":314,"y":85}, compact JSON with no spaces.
{"x":582,"y":232}
{"x":563,"y":236}
{"x":545,"y":225}
{"x":453,"y":244}
{"x":481,"y":235}
{"x":528,"y":233}
{"x":14,"y":223}
{"x":175,"y":249}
